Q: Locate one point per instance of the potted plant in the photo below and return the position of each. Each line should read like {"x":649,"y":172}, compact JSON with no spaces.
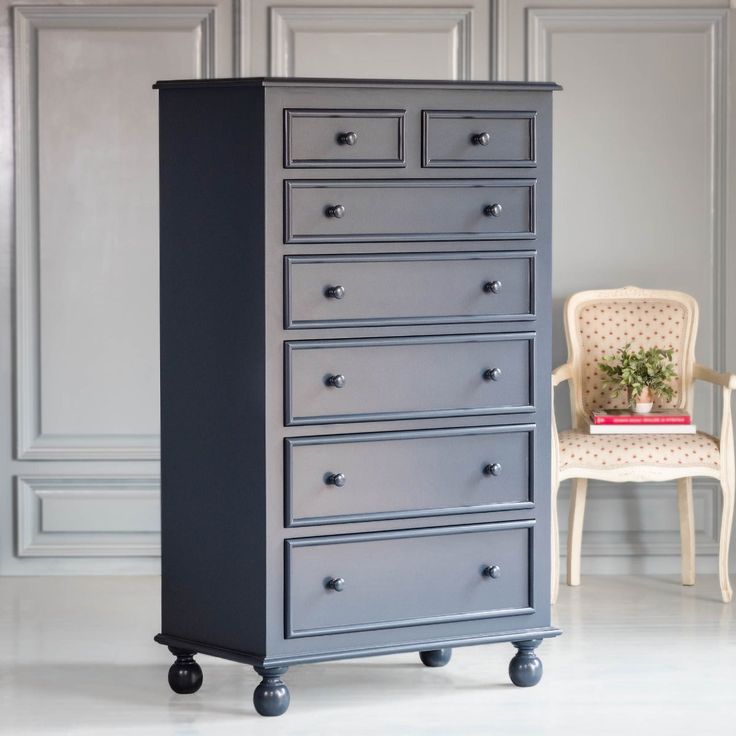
{"x":643,"y":374}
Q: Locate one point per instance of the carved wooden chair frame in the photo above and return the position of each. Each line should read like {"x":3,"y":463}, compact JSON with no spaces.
{"x":690,"y":372}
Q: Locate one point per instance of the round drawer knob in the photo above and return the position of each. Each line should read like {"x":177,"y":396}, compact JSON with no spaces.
{"x":492,"y":210}
{"x":492,"y":374}
{"x":336,"y":210}
{"x":347,"y":139}
{"x":336,"y":584}
{"x":337,"y":381}
{"x":335,"y":479}
{"x":492,"y":469}
{"x":492,"y":571}
{"x":481,"y":139}
{"x":335,"y":292}
{"x":492,"y":287}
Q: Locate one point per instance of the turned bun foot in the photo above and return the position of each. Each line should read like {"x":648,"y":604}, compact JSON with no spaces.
{"x":435,"y":657}
{"x":271,"y":697}
{"x":185,"y":675}
{"x":525,"y":668}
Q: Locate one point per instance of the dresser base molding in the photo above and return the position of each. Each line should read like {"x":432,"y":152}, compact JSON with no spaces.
{"x":271,"y":696}
{"x":250,"y":658}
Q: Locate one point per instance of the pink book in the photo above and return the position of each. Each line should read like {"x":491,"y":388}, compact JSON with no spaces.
{"x":624,"y":416}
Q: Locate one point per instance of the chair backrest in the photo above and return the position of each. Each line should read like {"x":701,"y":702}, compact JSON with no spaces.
{"x":597,"y":323}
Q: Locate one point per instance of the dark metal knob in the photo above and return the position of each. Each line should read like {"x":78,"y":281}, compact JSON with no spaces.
{"x":492,"y":374}
{"x":492,"y":469}
{"x":492,"y":571}
{"x":336,"y":584}
{"x":338,"y":380}
{"x":492,"y":287}
{"x":347,"y":139}
{"x":492,"y":210}
{"x":481,"y":139}
{"x":335,"y":479}
{"x":337,"y":210}
{"x":335,"y":292}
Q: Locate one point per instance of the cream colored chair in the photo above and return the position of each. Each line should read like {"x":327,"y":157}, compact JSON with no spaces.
{"x":596,"y":324}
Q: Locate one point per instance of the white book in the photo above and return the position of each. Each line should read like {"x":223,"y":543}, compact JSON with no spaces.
{"x":641,"y":428}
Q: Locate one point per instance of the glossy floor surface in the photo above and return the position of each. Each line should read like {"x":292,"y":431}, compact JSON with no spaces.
{"x":638,"y":656}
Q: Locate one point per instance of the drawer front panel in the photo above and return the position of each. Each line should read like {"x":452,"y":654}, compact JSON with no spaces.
{"x":473,"y":138}
{"x":325,"y":291}
{"x":410,"y":377}
{"x":407,"y":578}
{"x":378,"y":210}
{"x":390,"y":475}
{"x":336,"y":138}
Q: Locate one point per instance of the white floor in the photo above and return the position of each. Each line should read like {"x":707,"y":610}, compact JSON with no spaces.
{"x":638,"y":656}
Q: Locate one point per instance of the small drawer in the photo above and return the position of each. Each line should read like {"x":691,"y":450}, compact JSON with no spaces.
{"x":378,"y":210}
{"x":335,"y":138}
{"x":415,"y":288}
{"x":393,"y":475}
{"x":476,"y":138}
{"x":373,"y":379}
{"x":361,"y":582}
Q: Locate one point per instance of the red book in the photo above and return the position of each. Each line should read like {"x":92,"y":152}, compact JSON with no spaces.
{"x":624,"y":416}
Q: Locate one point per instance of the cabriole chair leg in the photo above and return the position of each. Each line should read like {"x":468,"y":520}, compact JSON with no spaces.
{"x":576,"y":515}
{"x":687,"y":529}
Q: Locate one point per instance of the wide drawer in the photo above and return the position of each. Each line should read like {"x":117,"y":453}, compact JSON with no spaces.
{"x":391,"y":475}
{"x":416,"y":288}
{"x":335,"y":138}
{"x":359,"y":210}
{"x":358,"y":582}
{"x":478,"y":138}
{"x":408,"y":377}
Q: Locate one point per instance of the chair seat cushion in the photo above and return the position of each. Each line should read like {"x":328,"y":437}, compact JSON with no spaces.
{"x":579,"y":449}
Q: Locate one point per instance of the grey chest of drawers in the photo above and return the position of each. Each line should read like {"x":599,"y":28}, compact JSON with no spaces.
{"x":355,"y":355}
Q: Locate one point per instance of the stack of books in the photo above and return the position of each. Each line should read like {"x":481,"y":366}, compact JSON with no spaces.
{"x":623,"y":421}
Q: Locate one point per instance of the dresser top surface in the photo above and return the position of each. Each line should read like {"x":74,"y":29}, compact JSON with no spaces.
{"x":375,"y":83}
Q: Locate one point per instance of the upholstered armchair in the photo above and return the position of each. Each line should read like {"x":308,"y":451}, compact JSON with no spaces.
{"x":596,"y":324}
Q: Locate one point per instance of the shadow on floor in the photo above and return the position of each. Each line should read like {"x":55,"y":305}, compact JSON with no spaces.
{"x":131,"y":695}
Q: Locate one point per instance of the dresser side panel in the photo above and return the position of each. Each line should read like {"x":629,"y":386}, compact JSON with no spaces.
{"x":212,"y":366}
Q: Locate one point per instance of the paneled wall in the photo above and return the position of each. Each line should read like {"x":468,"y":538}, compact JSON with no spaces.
{"x":641,"y":193}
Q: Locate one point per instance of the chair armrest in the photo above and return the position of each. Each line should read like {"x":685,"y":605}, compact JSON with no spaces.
{"x":561,"y":373}
{"x":727,"y":380}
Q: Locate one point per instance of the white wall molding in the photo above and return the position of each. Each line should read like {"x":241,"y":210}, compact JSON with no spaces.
{"x":31,"y":440}
{"x":242,"y":42}
{"x":87,"y":516}
{"x":499,"y":36}
{"x":542,"y":26}
{"x":286,"y":22}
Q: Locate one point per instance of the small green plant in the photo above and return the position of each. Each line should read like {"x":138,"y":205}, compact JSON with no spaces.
{"x":633,"y":371}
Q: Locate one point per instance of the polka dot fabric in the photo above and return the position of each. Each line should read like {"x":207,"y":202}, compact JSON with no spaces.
{"x":604,"y":326}
{"x":595,"y":451}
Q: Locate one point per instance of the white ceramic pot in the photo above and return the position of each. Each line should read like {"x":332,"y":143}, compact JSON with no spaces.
{"x":644,"y":403}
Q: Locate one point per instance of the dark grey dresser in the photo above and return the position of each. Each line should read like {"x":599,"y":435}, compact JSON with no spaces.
{"x":355,"y":361}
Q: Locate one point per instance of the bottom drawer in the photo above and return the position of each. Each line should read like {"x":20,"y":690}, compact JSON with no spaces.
{"x":360,"y":582}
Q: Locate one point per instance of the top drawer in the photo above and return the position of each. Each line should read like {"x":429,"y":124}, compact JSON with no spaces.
{"x":335,"y":138}
{"x":478,"y":138}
